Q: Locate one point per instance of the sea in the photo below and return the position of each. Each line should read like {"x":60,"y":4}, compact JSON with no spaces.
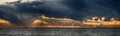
{"x":59,"y":32}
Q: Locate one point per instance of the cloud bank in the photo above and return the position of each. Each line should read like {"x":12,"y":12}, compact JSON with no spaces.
{"x":20,"y":12}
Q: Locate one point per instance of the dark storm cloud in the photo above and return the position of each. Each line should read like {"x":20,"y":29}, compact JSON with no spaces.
{"x":98,"y":8}
{"x":19,"y":13}
{"x":75,"y":9}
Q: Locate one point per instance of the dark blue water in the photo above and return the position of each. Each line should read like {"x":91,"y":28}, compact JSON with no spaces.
{"x":59,"y":32}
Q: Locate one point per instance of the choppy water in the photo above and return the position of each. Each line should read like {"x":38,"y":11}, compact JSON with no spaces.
{"x":59,"y":32}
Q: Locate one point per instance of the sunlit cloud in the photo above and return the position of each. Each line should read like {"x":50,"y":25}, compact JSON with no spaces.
{"x":2,"y":2}
{"x":4,"y":22}
{"x":93,"y":22}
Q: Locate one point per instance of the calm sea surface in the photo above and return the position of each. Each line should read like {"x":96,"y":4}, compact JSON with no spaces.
{"x":59,"y":32}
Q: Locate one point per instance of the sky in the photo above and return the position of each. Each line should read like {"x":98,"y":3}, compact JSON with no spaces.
{"x":22,"y":13}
